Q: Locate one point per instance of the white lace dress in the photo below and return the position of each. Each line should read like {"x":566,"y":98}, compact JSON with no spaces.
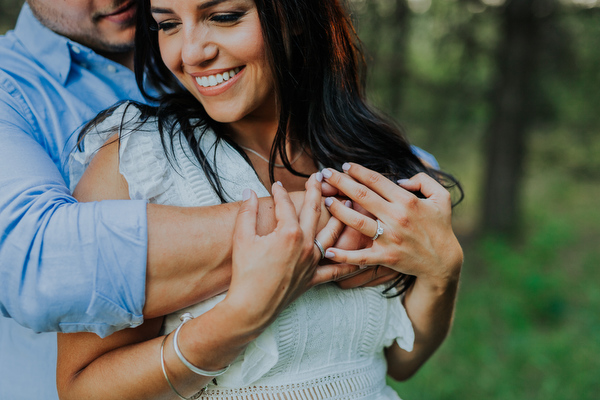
{"x":328,"y":344}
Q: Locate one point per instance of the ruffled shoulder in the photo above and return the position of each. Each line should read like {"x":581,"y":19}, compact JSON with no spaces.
{"x":143,"y":161}
{"x":80,"y":159}
{"x":399,"y":327}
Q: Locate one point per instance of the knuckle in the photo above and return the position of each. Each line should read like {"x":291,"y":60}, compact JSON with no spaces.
{"x":335,"y":179}
{"x":292,"y":232}
{"x":334,"y":235}
{"x":362,"y":262}
{"x":361,"y":193}
{"x":412,"y":203}
{"x":373,"y":178}
{"x":316,"y":207}
{"x":403,"y":221}
{"x":421,"y":175}
{"x":359,"y":223}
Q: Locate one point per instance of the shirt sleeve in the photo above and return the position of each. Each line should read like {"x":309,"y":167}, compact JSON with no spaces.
{"x":425,"y":156}
{"x":64,"y":266}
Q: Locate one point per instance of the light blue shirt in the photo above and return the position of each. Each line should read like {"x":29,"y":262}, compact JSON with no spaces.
{"x":64,"y":266}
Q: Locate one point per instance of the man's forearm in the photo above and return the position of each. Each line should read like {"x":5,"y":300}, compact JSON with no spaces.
{"x":189,"y":251}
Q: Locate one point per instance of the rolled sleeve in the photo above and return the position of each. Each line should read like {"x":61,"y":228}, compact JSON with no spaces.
{"x":64,"y":266}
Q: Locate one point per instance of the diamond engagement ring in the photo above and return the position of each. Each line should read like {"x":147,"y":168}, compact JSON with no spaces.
{"x":320,"y":247}
{"x":379,"y":230}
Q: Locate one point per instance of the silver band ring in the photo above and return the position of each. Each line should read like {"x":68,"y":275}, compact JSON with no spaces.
{"x":320,"y":247}
{"x":379,"y":230}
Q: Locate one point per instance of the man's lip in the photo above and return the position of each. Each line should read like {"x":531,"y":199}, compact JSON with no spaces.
{"x":121,"y":9}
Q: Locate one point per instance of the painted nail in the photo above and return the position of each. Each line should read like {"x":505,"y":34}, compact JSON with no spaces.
{"x":329,"y":254}
{"x":348,"y":203}
{"x":345,"y":167}
{"x":327,"y":173}
{"x":246,"y":194}
{"x":403,"y":181}
{"x":328,"y":201}
{"x":319,"y":177}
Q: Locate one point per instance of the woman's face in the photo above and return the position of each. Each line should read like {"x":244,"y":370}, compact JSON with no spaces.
{"x":216,"y":50}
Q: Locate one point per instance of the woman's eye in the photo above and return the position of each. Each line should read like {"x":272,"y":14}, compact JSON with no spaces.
{"x":227,"y":18}
{"x":165,"y":26}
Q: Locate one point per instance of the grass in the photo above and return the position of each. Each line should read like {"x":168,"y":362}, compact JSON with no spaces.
{"x":527,"y":324}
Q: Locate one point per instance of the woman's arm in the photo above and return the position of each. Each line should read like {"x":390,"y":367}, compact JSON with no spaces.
{"x":417,"y":240}
{"x":268,"y":272}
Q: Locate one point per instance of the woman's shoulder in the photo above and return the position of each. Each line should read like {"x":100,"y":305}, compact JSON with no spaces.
{"x":107,"y":128}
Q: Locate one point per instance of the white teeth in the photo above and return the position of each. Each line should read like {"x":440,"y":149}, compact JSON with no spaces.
{"x":214,"y":80}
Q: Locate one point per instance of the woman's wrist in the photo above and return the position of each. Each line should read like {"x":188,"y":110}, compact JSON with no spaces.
{"x":215,"y":339}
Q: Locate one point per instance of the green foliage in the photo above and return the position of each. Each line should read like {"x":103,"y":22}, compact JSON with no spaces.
{"x":526,"y":323}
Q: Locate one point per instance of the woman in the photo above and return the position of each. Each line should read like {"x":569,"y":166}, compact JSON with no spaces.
{"x":249,"y":79}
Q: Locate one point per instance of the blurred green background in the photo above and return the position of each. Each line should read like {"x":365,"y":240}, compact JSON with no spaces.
{"x":505,"y":94}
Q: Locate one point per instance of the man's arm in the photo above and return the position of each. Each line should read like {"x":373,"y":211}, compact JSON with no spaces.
{"x":69,"y":266}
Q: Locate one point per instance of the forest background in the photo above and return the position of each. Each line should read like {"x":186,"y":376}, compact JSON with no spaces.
{"x":505,"y":93}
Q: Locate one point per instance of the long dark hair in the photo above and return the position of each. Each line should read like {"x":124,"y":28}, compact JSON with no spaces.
{"x":319,"y":71}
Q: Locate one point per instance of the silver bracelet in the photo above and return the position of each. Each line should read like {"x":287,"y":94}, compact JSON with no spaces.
{"x":185,"y":318}
{"x":164,"y":370}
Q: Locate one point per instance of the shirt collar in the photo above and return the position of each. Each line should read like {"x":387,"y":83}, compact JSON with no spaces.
{"x":51,"y":50}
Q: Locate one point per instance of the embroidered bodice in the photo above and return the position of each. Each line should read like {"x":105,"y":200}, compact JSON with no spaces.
{"x":328,"y":344}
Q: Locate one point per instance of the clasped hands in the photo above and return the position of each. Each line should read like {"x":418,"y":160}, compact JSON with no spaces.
{"x":417,"y":240}
{"x":417,"y":236}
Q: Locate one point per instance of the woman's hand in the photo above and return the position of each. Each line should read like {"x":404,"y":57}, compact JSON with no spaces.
{"x":269,"y":272}
{"x":417,"y":239}
{"x":417,"y":236}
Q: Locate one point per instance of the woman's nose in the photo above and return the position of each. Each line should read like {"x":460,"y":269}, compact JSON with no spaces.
{"x":197,"y":47}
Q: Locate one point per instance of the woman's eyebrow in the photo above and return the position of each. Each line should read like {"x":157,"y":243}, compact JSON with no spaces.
{"x":156,"y":10}
{"x":208,"y":4}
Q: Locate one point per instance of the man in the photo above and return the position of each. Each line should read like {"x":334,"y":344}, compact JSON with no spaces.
{"x":97,"y":267}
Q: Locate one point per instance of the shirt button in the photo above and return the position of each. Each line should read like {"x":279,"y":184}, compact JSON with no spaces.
{"x":76,"y":49}
{"x":112,"y":69}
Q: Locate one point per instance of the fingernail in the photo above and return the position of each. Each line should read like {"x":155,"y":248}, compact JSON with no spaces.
{"x":246,"y":194}
{"x":328,"y":201}
{"x":345,"y":167}
{"x":362,"y":266}
{"x":348,"y":203}
{"x":403,"y":181}
{"x":329,"y":254}
{"x":326,"y":173}
{"x":279,"y":183}
{"x":319,"y":177}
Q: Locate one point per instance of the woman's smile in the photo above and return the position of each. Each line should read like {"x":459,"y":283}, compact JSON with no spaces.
{"x":213,"y":83}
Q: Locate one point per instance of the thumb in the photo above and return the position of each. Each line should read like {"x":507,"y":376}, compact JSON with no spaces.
{"x":245,"y":223}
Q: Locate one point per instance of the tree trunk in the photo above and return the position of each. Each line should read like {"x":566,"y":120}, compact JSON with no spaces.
{"x":512,"y":111}
{"x":397,"y":62}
